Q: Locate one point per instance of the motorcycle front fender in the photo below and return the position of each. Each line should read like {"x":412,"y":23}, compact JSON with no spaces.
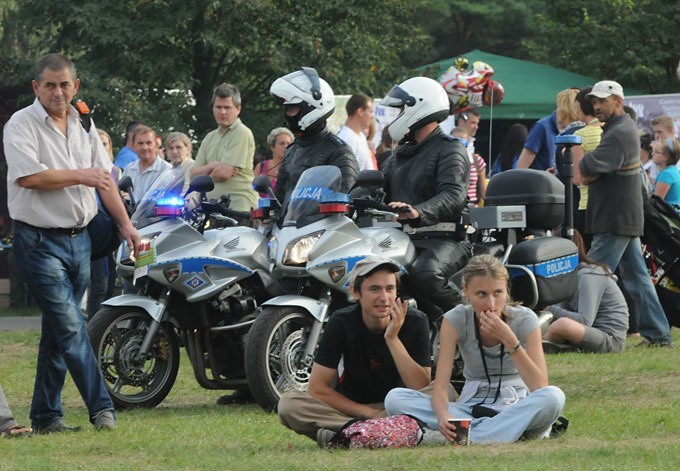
{"x":153,"y":307}
{"x":318,"y":309}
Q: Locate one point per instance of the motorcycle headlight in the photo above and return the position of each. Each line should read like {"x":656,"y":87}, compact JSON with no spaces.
{"x":297,"y":252}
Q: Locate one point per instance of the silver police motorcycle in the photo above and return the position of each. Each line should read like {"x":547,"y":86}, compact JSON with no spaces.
{"x":320,"y":239}
{"x":324,"y":234}
{"x":199,"y":279}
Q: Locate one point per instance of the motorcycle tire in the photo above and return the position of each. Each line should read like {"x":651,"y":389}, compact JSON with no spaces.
{"x":116,"y":333}
{"x":274,"y":352}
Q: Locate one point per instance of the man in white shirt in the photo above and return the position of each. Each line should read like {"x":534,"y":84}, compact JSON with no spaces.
{"x":145,"y":170}
{"x":359,"y":115}
{"x":54,"y":167}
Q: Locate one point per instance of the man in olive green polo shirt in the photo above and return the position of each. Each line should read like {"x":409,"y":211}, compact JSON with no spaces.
{"x":226,"y":154}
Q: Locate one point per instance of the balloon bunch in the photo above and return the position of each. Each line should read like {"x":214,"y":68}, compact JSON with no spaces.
{"x":471,"y":87}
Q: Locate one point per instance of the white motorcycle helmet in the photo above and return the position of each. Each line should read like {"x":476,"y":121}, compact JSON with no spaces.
{"x":422,"y":101}
{"x":306,"y":89}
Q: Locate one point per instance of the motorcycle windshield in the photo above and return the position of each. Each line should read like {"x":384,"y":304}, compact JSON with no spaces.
{"x":315,"y":185}
{"x":167,"y":190}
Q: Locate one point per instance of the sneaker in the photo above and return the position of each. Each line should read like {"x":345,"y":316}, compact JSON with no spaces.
{"x":104,"y":420}
{"x":323,"y":437}
{"x":55,"y":426}
{"x":655,"y":344}
{"x":551,"y":347}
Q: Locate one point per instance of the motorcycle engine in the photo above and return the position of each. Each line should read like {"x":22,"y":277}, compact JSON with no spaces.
{"x":233,"y":301}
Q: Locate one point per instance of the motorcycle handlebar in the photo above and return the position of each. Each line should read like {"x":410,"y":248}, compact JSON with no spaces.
{"x":364,"y":203}
{"x":213,"y":207}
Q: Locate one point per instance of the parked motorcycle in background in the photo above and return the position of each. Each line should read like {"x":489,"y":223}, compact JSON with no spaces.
{"x":193,"y":282}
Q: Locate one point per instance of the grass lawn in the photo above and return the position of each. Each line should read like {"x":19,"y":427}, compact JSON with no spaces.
{"x":624,"y":413}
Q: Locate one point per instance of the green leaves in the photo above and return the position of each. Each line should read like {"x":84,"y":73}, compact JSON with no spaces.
{"x":158,"y":60}
{"x":630,"y":41}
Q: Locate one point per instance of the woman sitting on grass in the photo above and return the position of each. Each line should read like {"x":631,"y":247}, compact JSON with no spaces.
{"x":596,"y":318}
{"x":506,"y":390}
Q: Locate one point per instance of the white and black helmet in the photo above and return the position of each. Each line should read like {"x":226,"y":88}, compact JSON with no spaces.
{"x":306,"y":89}
{"x":422,"y":101}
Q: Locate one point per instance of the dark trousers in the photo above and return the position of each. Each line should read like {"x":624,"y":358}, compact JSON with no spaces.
{"x":429,"y":277}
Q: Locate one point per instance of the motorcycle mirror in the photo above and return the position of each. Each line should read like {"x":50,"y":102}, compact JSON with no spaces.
{"x":201,"y":183}
{"x":370,"y":178}
{"x":125,"y":184}
{"x":261,"y":184}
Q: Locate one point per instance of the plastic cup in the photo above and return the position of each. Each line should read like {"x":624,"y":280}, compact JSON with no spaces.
{"x":462,"y":429}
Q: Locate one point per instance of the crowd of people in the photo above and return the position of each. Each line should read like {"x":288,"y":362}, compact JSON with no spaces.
{"x":374,"y":357}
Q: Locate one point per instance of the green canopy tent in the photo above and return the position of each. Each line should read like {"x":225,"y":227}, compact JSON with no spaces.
{"x":530,"y":93}
{"x":530,"y":88}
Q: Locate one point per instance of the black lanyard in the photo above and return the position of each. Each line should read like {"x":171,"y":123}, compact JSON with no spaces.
{"x":486,"y":370}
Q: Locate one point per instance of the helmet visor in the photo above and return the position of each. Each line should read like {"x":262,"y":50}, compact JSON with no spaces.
{"x":397,"y":97}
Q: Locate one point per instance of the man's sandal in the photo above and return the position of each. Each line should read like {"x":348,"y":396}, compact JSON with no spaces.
{"x":16,"y":431}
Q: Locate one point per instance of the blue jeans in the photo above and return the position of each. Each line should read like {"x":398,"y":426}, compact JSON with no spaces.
{"x":625,"y":252}
{"x":56,"y":268}
{"x":531,"y":417}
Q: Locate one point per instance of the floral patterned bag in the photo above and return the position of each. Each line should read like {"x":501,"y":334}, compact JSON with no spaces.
{"x":396,"y":431}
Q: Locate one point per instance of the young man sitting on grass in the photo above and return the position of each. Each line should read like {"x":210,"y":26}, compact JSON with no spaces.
{"x":366,"y":350}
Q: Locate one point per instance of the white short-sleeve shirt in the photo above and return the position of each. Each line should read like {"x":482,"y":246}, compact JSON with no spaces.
{"x":33,"y":144}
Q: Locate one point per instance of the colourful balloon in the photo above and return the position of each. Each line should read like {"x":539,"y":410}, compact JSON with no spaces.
{"x":468,"y":87}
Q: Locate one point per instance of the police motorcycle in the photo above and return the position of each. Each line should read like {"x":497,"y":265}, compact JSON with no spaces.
{"x":523,"y":208}
{"x":199,"y":278}
{"x":322,"y":236}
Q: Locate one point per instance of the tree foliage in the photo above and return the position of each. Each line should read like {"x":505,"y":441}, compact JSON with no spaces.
{"x":159,"y":60}
{"x":496,"y":26}
{"x":631,"y":41}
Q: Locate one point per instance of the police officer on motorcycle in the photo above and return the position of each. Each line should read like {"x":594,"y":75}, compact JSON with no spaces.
{"x":308,"y":101}
{"x":428,"y":175}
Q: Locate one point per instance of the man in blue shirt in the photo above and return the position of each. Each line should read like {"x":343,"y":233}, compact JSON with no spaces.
{"x":539,"y":148}
{"x":127,"y":155}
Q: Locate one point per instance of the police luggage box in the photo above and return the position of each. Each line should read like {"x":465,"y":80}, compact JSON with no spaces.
{"x":542,"y":193}
{"x":552,"y":261}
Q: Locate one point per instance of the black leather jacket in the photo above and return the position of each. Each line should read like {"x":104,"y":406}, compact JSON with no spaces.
{"x":310,"y":151}
{"x":432,"y":176}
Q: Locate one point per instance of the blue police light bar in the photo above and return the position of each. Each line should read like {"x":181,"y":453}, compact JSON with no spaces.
{"x":170,"y":201}
{"x":335,"y":197}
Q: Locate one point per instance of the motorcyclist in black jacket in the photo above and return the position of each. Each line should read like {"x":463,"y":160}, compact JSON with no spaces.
{"x":429,"y":174}
{"x":308,"y":102}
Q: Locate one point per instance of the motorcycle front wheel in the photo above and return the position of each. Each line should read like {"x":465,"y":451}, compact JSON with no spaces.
{"x":274,"y":352}
{"x":116,"y":334}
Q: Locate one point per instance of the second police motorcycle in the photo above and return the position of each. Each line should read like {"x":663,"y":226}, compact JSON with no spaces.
{"x":323,"y":234}
{"x":199,"y":278}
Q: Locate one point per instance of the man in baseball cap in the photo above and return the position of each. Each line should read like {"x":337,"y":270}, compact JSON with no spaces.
{"x":606,"y":88}
{"x":366,"y":350}
{"x":371,"y":263}
{"x":614,"y":213}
